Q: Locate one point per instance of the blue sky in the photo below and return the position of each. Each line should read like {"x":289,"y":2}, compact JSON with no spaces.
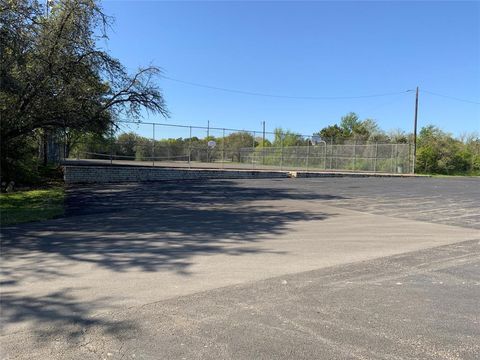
{"x":306,"y":49}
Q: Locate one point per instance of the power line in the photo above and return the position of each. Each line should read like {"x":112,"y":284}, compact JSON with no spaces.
{"x":450,"y":97}
{"x":282,"y":96}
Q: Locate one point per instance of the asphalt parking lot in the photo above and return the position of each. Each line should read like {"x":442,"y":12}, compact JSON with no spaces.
{"x":334,"y":268}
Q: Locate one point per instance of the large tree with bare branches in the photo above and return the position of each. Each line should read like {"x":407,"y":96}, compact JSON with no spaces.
{"x":56,"y":77}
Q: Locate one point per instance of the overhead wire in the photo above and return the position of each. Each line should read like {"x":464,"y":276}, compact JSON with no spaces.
{"x":252,"y":93}
{"x":449,"y":97}
{"x":282,"y":96}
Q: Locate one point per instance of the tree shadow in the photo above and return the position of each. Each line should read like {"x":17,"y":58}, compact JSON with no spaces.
{"x":162,"y":238}
{"x":100,"y":198}
{"x":58,"y":315}
{"x":156,"y":226}
{"x":144,"y":227}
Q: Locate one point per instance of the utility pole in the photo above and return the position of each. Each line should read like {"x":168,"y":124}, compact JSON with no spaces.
{"x":415,"y":132}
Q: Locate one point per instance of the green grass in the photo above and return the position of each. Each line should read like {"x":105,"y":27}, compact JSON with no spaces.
{"x":31,"y":205}
{"x":472,"y":174}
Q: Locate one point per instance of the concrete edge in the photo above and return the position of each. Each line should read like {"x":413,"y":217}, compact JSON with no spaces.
{"x":312,"y":174}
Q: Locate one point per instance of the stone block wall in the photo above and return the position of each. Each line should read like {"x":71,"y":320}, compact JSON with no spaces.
{"x":112,"y":174}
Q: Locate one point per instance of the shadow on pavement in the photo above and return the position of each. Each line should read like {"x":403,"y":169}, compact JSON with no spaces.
{"x":145,"y":227}
{"x":59,"y":317}
{"x":102,"y":198}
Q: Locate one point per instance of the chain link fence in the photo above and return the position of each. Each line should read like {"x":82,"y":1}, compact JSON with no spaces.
{"x":387,"y":158}
{"x":167,"y":145}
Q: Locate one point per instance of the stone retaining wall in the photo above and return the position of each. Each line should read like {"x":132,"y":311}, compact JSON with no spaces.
{"x":112,"y":174}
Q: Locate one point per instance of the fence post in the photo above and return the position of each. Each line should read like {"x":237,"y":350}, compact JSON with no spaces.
{"x":331,"y":152}
{"x":281,"y":151}
{"x":253,"y":151}
{"x":208,"y":151}
{"x":153,"y":146}
{"x":325,"y":157}
{"x":354,"y":154}
{"x":395,"y":170}
{"x":111,"y":146}
{"x":208,"y":135}
{"x":391,"y":159}
{"x":308,"y":153}
{"x":190,"y":148}
{"x":223,"y":149}
{"x":375,"y":159}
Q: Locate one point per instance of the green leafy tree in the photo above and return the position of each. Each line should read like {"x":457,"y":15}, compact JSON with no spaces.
{"x":398,"y":136}
{"x":235,"y":142}
{"x":371,"y":131}
{"x":352,"y":128}
{"x":438,"y":152}
{"x":54,"y":77}
{"x":332,"y":132}
{"x":287,"y":138}
{"x":349,"y":123}
{"x":126,"y":144}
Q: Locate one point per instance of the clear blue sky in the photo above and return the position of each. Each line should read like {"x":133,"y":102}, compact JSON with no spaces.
{"x":331,"y":49}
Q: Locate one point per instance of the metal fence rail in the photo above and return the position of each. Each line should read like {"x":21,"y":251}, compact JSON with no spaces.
{"x":205,"y":147}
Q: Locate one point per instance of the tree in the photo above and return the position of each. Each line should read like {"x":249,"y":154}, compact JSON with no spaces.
{"x":351,"y":127}
{"x":235,"y":142}
{"x":371,"y":131}
{"x":398,"y":136}
{"x":349,"y":123}
{"x":55,"y":77}
{"x":438,"y":152}
{"x":287,"y":138}
{"x":126,"y":144}
{"x":262,"y":143}
{"x":332,"y":132}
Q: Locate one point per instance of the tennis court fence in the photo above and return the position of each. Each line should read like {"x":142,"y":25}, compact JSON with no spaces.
{"x":154,"y":144}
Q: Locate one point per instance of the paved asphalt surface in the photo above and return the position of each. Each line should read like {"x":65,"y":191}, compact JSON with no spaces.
{"x":452,"y":201}
{"x":250,"y":269}
{"x":416,"y":306}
